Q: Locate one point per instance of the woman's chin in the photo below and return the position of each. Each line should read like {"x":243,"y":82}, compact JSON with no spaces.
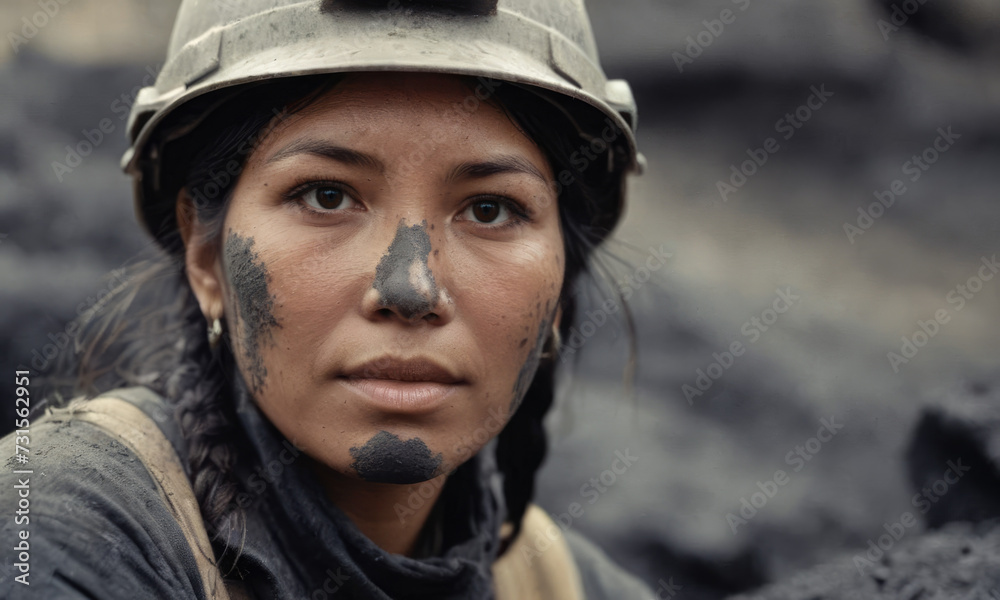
{"x":386,"y":458}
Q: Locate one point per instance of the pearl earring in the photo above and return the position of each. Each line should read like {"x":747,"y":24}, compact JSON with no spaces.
{"x":215,"y":333}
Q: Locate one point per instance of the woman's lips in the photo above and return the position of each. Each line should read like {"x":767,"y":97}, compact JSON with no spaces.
{"x":403,"y":385}
{"x":402,"y":396}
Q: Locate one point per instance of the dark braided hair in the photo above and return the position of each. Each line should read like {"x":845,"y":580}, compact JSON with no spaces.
{"x":585,"y":220}
{"x":155,"y":334}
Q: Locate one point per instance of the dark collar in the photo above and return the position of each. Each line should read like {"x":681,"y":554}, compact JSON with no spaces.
{"x":297,"y":541}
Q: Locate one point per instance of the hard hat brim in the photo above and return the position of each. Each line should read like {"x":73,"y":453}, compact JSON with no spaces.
{"x":244,"y":52}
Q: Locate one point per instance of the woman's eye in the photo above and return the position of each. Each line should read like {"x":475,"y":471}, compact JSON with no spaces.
{"x":327,"y":198}
{"x":489,"y":211}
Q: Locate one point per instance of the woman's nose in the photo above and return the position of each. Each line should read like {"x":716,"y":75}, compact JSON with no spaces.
{"x":404,"y":285}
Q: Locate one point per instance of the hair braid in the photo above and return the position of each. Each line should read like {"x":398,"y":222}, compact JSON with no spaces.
{"x":206,"y":414}
{"x":151,"y":333}
{"x":523,"y":444}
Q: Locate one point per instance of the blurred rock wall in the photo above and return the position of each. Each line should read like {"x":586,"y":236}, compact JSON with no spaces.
{"x":790,"y":258}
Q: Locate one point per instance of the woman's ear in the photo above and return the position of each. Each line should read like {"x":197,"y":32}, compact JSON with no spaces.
{"x":553,"y":343}
{"x":201,"y":259}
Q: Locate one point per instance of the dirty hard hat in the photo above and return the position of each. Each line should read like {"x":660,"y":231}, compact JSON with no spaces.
{"x":222,"y":45}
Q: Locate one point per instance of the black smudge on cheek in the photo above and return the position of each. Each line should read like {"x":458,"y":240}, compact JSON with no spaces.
{"x":404,"y":261}
{"x":527,"y":372}
{"x":387,"y":459}
{"x":249,"y":277}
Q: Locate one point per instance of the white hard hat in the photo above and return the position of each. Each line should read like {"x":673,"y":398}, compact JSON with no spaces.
{"x":220,"y":44}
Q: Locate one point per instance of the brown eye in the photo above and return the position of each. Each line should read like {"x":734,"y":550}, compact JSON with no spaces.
{"x":493,"y":212}
{"x":326,"y":198}
{"x":486,"y":211}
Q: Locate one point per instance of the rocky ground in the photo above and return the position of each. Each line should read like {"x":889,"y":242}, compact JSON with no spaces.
{"x":880,"y":96}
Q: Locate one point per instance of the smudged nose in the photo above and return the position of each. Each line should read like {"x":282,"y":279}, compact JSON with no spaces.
{"x":404,"y":284}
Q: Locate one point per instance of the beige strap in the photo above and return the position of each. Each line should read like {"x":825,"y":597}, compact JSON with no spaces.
{"x":539,"y":564}
{"x":143,"y":437}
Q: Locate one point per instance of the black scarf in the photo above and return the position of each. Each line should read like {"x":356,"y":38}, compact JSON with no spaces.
{"x":298,"y":544}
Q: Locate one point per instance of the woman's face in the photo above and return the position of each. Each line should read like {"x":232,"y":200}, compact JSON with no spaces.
{"x":390,"y":269}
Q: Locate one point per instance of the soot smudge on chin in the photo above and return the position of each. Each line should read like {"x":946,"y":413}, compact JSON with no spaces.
{"x":387,"y":459}
{"x":249,"y":277}
{"x":403,"y":268}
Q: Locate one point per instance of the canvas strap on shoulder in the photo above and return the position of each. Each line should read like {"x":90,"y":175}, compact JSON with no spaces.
{"x":143,"y":437}
{"x":539,"y":564}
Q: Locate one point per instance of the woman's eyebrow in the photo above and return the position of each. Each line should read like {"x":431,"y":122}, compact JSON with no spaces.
{"x":507,"y":163}
{"x":327,"y":150}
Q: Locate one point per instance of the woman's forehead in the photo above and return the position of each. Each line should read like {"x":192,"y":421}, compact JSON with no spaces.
{"x":380,"y":92}
{"x":405,"y":84}
{"x":428,"y":110}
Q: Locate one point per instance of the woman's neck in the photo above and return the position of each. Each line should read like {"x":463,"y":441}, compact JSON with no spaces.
{"x":390,"y":515}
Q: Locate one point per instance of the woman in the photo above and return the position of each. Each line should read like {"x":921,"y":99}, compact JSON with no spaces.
{"x":372,"y":218}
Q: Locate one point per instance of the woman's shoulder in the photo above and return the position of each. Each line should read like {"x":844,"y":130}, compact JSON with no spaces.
{"x":602,"y":578}
{"x":541,"y":561}
{"x":88,"y":519}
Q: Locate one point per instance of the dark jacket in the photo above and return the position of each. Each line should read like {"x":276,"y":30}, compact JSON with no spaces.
{"x":97,"y":526}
